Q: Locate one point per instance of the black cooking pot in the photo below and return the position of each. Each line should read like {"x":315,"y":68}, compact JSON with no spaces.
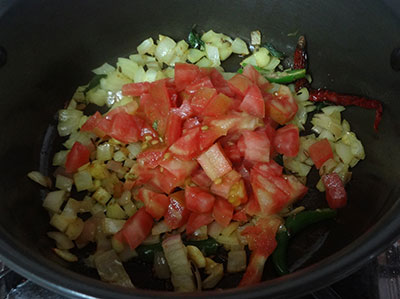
{"x":49,"y":48}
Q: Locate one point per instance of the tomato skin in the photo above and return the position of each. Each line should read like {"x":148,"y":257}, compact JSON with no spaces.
{"x":136,"y":228}
{"x":239,"y":84}
{"x":185,"y":74}
{"x":320,"y":152}
{"x":77,"y":156}
{"x":335,"y":192}
{"x":220,"y":84}
{"x":125,"y":128}
{"x":152,"y":156}
{"x":197,"y":220}
{"x":135,"y":89}
{"x":222,"y":212}
{"x":218,"y":105}
{"x":214,"y":162}
{"x":253,"y":102}
{"x":240,"y":216}
{"x":199,"y":200}
{"x":177,"y":214}
{"x":203,"y":82}
{"x":92,"y":122}
{"x":287,"y":140}
{"x":256,"y":146}
{"x":173,"y":129}
{"x":187,"y":146}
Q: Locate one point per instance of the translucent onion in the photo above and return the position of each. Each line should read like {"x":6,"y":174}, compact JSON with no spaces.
{"x":64,"y":183}
{"x":159,"y":228}
{"x":146,"y":47}
{"x":54,"y":200}
{"x":68,"y":121}
{"x":62,"y":241}
{"x":236,"y":261}
{"x":239,"y":47}
{"x":39,"y":178}
{"x":104,"y":69}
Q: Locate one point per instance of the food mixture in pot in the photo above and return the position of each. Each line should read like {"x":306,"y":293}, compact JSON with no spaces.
{"x":181,"y":160}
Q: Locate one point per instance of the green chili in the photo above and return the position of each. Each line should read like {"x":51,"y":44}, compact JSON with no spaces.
{"x":273,"y":50}
{"x":287,"y":76}
{"x":280,"y":253}
{"x":293,"y":225}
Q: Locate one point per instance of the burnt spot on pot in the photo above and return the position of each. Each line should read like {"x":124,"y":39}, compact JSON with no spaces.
{"x":395,"y":59}
{"x":3,"y":56}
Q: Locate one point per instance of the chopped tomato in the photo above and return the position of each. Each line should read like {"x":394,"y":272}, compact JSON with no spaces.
{"x":201,"y":179}
{"x":252,"y":207}
{"x":187,"y":146}
{"x":256,"y":146}
{"x":281,"y":105}
{"x":125,"y":128}
{"x":179,"y":168}
{"x":222,"y":212}
{"x":240,"y":216}
{"x":197,"y":220}
{"x":238,"y":194}
{"x":156,"y":204}
{"x":161,"y":179}
{"x":151,"y":157}
{"x":268,"y":170}
{"x":129,"y":108}
{"x":214,"y":162}
{"x":185,"y":74}
{"x":177,"y":214}
{"x":201,"y":98}
{"x":297,"y":190}
{"x":199,"y":200}
{"x":287,"y":140}
{"x":103,"y":127}
{"x":235,"y":121}
{"x":191,"y":123}
{"x":335,"y":193}
{"x":136,"y":228}
{"x":203,"y":82}
{"x":135,"y":89}
{"x":209,"y":136}
{"x":250,"y":72}
{"x":218,"y":105}
{"x":77,"y":156}
{"x":224,"y":186}
{"x":174,"y":128}
{"x":220,"y":84}
{"x":92,"y":122}
{"x":320,"y":152}
{"x":233,"y":153}
{"x":253,"y":102}
{"x":239,"y":84}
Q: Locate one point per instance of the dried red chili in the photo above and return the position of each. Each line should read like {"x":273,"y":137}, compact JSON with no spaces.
{"x":321,"y":95}
{"x":300,"y":61}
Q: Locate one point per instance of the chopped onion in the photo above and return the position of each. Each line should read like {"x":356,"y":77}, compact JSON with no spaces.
{"x":224,"y":53}
{"x":200,"y":233}
{"x":134,"y":149}
{"x":344,"y":152}
{"x":236,"y":261}
{"x":115,"y":211}
{"x":147,"y":47}
{"x":60,"y":222}
{"x":262,"y":57}
{"x":104,"y":152}
{"x":213,"y":54}
{"x":151,"y":240}
{"x":64,"y":183}
{"x":176,"y":255}
{"x":195,"y":55}
{"x":60,"y":158}
{"x":215,"y":271}
{"x":204,"y":62}
{"x":127,"y":67}
{"x":159,"y":228}
{"x":165,"y":49}
{"x":112,"y":226}
{"x":125,"y":198}
{"x":68,"y":121}
{"x":54,"y":200}
{"x":66,"y":255}
{"x":255,"y":38}
{"x":214,"y":229}
{"x":39,"y":178}
{"x":75,"y":228}
{"x":239,"y":47}
{"x":111,"y":270}
{"x":356,"y":146}
{"x":227,"y":231}
{"x":114,"y":81}
{"x":196,"y":256}
{"x":161,"y":268}
{"x":97,"y":96}
{"x":104,"y":69}
{"x":83,"y":180}
{"x":62,"y":241}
